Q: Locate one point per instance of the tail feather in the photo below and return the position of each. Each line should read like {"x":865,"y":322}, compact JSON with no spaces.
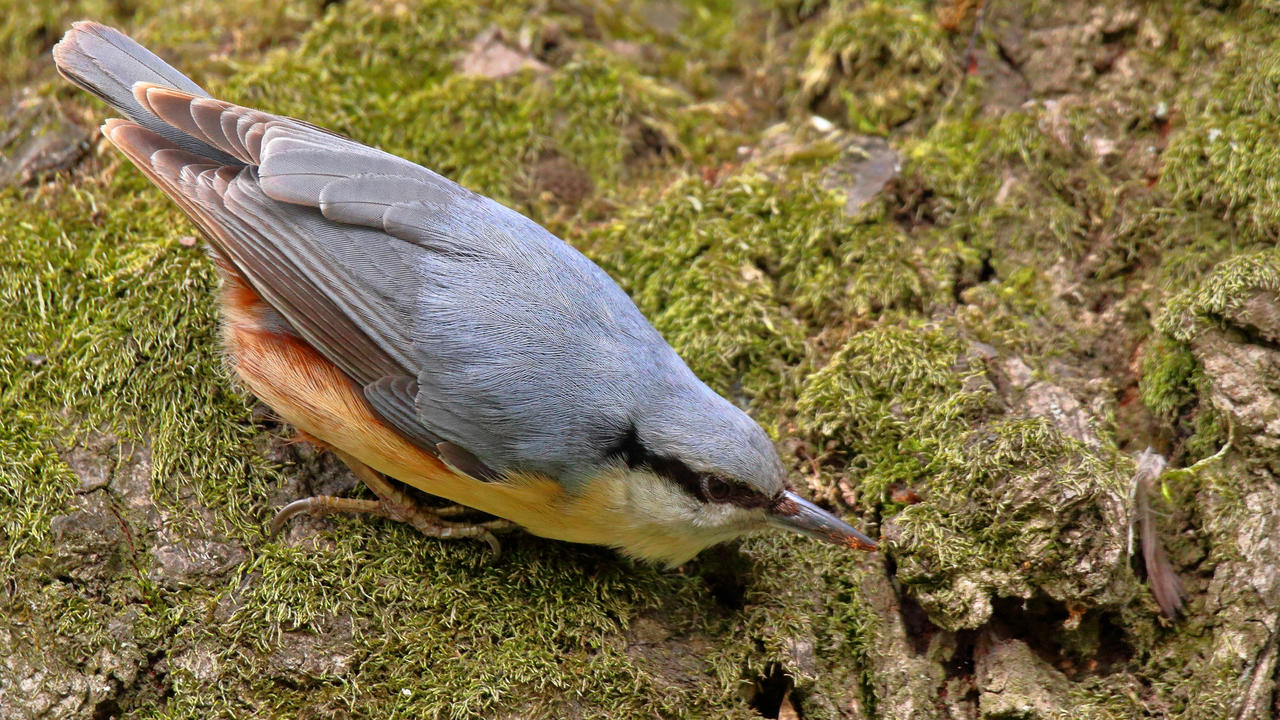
{"x":107,"y":63}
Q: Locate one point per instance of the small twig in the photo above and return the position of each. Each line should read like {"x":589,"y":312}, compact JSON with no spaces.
{"x":970,"y":60}
{"x":970,"y":53}
{"x":133,"y":549}
{"x":1179,"y":473}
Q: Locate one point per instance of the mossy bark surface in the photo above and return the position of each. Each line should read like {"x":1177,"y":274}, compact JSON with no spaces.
{"x":963,"y":278}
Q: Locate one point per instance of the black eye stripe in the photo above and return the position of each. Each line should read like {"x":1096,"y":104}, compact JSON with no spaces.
{"x":630,"y":450}
{"x":706,"y":488}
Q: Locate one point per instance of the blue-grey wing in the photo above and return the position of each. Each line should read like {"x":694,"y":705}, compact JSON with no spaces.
{"x":528,"y":355}
{"x":525,"y":354}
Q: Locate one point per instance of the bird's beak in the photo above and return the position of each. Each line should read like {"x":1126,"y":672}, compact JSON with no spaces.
{"x":795,"y":513}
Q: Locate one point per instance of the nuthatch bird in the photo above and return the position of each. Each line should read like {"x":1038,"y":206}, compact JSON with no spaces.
{"x":428,"y":334}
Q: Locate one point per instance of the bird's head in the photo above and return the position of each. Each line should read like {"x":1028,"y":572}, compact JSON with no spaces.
{"x":702,"y":472}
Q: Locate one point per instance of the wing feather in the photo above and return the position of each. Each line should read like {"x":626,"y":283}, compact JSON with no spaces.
{"x":227,"y":206}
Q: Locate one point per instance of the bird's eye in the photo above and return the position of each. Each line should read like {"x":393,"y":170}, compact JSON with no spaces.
{"x":716,"y":489}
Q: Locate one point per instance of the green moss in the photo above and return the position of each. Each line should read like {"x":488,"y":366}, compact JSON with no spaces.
{"x":1221,"y":293}
{"x":467,"y":639}
{"x":971,"y":475}
{"x":883,"y":63}
{"x":196,"y":36}
{"x":889,"y":397}
{"x":696,"y":46}
{"x":908,"y":406}
{"x":1225,"y":158}
{"x":1169,"y":377}
{"x":47,"y":485}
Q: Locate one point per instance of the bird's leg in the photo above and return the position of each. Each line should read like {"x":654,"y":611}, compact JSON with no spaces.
{"x":395,"y":504}
{"x":457,"y":511}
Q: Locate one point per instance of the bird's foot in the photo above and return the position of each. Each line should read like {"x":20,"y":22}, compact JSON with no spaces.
{"x":395,"y":504}
{"x":456,"y":511}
